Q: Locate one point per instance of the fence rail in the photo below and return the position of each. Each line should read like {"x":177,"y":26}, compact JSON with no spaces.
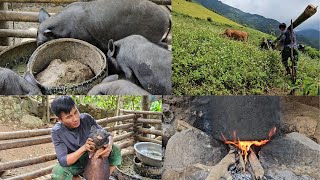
{"x":124,"y":141}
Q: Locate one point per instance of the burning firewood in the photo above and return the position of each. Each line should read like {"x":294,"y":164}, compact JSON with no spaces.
{"x":221,"y":168}
{"x":256,"y":166}
{"x":241,"y":164}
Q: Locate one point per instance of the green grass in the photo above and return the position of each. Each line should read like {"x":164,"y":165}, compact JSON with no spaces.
{"x":205,"y":62}
{"x":196,"y":10}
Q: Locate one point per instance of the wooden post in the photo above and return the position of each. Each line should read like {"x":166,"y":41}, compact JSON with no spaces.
{"x":4,"y":25}
{"x":48,"y":109}
{"x":44,"y":109}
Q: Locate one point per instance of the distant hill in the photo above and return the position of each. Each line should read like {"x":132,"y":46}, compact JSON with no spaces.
{"x":251,"y":20}
{"x":267,"y":25}
{"x":196,"y":10}
{"x":311,"y":36}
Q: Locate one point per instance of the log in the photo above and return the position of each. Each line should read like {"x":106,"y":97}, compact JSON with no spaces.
{"x":3,"y":48}
{"x":144,"y":139}
{"x":34,"y":174}
{"x":25,"y":142}
{"x":114,"y":119}
{"x":241,"y":163}
{"x":20,"y":16}
{"x":125,"y":144}
{"x":159,"y":2}
{"x":24,"y":134}
{"x":141,"y":112}
{"x":40,"y":132}
{"x":27,"y":162}
{"x":125,"y":152}
{"x":18,"y":33}
{"x":149,"y":131}
{"x":4,"y":25}
{"x":306,"y":14}
{"x":221,"y":168}
{"x":149,"y":121}
{"x":256,"y":165}
{"x":123,"y":136}
{"x":124,"y":127}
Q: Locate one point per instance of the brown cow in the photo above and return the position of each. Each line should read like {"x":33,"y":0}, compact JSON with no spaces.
{"x":236,"y":34}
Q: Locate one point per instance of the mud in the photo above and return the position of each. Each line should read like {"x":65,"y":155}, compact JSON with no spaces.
{"x":64,"y":73}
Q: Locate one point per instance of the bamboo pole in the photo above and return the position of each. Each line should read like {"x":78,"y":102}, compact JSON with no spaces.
{"x":125,"y":144}
{"x":120,"y":127}
{"x":25,"y":142}
{"x":27,"y":162}
{"x":141,"y":112}
{"x":114,"y":119}
{"x":20,"y":16}
{"x":144,"y":139}
{"x":149,"y":131}
{"x":18,"y":33}
{"x":24,"y":134}
{"x":159,"y":2}
{"x":149,"y":121}
{"x":123,"y":136}
{"x":34,"y":174}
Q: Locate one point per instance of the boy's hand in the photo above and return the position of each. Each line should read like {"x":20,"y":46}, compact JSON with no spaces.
{"x":106,"y":152}
{"x":89,"y":145}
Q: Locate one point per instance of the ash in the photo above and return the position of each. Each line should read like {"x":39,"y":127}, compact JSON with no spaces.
{"x":237,"y":174}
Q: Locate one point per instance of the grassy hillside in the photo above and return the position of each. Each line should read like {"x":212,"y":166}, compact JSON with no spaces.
{"x":196,"y":10}
{"x":205,"y":62}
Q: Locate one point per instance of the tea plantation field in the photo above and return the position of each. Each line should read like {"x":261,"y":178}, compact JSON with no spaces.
{"x":205,"y":62}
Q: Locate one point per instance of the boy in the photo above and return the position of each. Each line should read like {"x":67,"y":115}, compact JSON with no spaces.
{"x":71,"y":142}
{"x":285,"y":40}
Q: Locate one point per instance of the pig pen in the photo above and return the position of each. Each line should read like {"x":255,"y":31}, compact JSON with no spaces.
{"x":197,"y":132}
{"x":128,"y":130}
{"x":19,"y":22}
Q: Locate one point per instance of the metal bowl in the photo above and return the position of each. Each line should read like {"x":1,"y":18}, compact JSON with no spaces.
{"x":149,"y":153}
{"x":69,"y":48}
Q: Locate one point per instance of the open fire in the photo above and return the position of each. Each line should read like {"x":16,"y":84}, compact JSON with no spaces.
{"x":244,"y":146}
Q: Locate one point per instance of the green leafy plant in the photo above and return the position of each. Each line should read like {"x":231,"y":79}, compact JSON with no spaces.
{"x":206,"y":62}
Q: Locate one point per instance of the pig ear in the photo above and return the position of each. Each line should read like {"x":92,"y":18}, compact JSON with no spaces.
{"x":111,"y":48}
{"x":43,"y":15}
{"x":93,"y":129}
{"x":47,"y":33}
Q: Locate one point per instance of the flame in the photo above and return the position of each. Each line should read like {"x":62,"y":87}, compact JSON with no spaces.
{"x":244,"y":146}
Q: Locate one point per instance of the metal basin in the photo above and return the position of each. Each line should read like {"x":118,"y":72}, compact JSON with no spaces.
{"x":16,"y":57}
{"x":149,"y":153}
{"x":65,"y":49}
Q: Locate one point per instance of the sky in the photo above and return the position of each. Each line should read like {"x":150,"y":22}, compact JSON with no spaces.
{"x":281,"y":11}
